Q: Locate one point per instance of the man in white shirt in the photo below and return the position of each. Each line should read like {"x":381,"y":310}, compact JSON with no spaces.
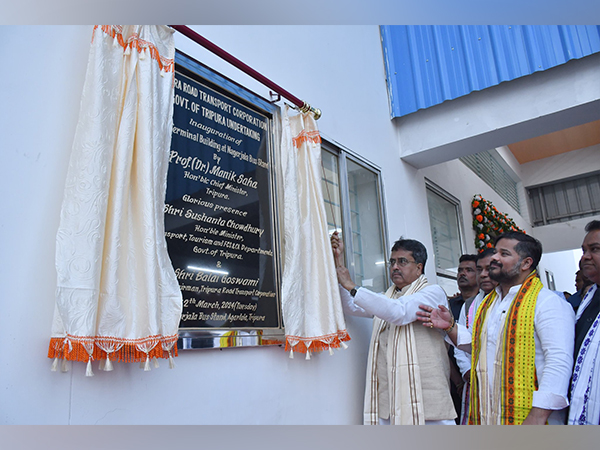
{"x":585,"y":386}
{"x":467,"y":314}
{"x":408,"y":369}
{"x":522,"y":341}
{"x":468,"y":289}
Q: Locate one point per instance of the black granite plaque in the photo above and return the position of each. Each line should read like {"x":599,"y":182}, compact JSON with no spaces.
{"x":218,"y":215}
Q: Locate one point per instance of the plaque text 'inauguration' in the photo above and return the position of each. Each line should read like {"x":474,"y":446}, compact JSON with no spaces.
{"x":217,"y":214}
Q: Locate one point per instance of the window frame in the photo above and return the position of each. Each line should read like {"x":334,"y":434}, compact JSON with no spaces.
{"x":343,"y":156}
{"x":430,"y":185}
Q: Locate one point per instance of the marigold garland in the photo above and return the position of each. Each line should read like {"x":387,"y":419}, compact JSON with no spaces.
{"x":488,"y":223}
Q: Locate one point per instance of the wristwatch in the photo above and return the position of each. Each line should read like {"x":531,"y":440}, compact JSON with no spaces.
{"x":354,"y":290}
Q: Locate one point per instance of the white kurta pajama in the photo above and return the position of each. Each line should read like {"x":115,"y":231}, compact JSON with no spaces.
{"x":554,"y":330}
{"x":463,"y":359}
{"x":585,"y":387}
{"x":407,"y":361}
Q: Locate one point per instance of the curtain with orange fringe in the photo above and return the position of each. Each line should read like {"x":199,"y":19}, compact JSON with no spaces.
{"x":117,"y":296}
{"x":311,"y":305}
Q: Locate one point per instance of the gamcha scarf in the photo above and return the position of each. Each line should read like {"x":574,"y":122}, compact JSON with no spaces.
{"x":509,"y":400}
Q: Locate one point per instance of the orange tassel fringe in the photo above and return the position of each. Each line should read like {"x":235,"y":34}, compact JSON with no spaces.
{"x":165,"y":64}
{"x":73,"y":349}
{"x":316,"y":344}
{"x":306,"y":136}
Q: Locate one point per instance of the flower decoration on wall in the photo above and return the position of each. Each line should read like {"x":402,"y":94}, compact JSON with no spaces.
{"x":488,"y":223}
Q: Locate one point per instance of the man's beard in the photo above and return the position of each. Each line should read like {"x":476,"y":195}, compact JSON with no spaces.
{"x":503,"y":276}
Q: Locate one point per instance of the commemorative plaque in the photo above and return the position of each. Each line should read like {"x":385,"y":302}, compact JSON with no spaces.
{"x":219,"y":211}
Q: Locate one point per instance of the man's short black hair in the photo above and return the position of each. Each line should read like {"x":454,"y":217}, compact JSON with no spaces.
{"x":419,"y":252}
{"x":592,"y":226}
{"x":467,"y":257}
{"x":487,"y":252}
{"x":528,"y":247}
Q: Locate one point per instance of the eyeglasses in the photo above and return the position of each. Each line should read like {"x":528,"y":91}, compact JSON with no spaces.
{"x":402,"y":262}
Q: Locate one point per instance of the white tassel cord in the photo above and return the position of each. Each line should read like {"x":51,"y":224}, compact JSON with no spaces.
{"x":54,"y":366}
{"x":64,"y":366}
{"x":308,"y":350}
{"x":330,"y":351}
{"x":147,"y":364}
{"x":155,"y":361}
{"x":108,"y":367}
{"x":291,"y":354}
{"x":344,"y":345}
{"x":88,"y":370}
{"x":171,"y":362}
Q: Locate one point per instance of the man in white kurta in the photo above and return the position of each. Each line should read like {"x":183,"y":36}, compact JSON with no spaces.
{"x":408,"y":369}
{"x":585,"y":386}
{"x":553,"y":335}
{"x":467,"y":314}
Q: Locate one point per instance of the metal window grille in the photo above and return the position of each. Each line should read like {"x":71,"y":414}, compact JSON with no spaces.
{"x":486,"y":166}
{"x":565,"y":200}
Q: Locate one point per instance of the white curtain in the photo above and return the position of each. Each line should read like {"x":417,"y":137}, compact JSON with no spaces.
{"x":311,"y":306}
{"x":117,"y":296}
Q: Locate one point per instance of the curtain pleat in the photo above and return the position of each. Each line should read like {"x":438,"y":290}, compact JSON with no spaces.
{"x":311,"y":305}
{"x":117,"y":295}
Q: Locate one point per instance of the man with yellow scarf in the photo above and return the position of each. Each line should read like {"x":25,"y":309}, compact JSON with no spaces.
{"x":522,"y":341}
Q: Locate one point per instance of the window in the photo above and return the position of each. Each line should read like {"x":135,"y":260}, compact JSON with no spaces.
{"x":550,"y":280}
{"x":489,"y":166}
{"x":445,"y":220}
{"x":352,"y":193}
{"x":565,"y":200}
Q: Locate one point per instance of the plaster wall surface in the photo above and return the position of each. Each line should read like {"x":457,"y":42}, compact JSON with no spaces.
{"x":461,"y":182}
{"x":563,"y":266}
{"x":565,"y":235}
{"x":338,"y":69}
{"x":558,"y":240}
{"x":565,"y":165}
{"x":527,"y":107}
{"x":40,"y":102}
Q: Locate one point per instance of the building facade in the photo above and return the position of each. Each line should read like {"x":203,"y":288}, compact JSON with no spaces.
{"x":403,"y":173}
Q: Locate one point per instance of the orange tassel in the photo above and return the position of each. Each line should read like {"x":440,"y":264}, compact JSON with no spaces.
{"x":166,"y":64}
{"x":318,"y":344}
{"x":74,"y":350}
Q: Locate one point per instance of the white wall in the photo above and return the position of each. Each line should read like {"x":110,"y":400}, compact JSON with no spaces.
{"x":540,"y":103}
{"x":338,"y":69}
{"x":561,"y":166}
{"x":561,"y":242}
{"x":569,"y":235}
{"x":563,"y":266}
{"x":460,"y":181}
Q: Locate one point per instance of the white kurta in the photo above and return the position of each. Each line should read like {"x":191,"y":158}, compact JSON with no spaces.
{"x":554,"y":335}
{"x":585,"y":390}
{"x":430,"y":352}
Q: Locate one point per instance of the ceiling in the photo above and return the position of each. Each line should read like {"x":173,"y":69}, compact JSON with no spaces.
{"x":558,"y":142}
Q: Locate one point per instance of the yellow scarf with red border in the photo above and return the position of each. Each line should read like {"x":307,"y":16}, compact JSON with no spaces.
{"x":509,"y":401}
